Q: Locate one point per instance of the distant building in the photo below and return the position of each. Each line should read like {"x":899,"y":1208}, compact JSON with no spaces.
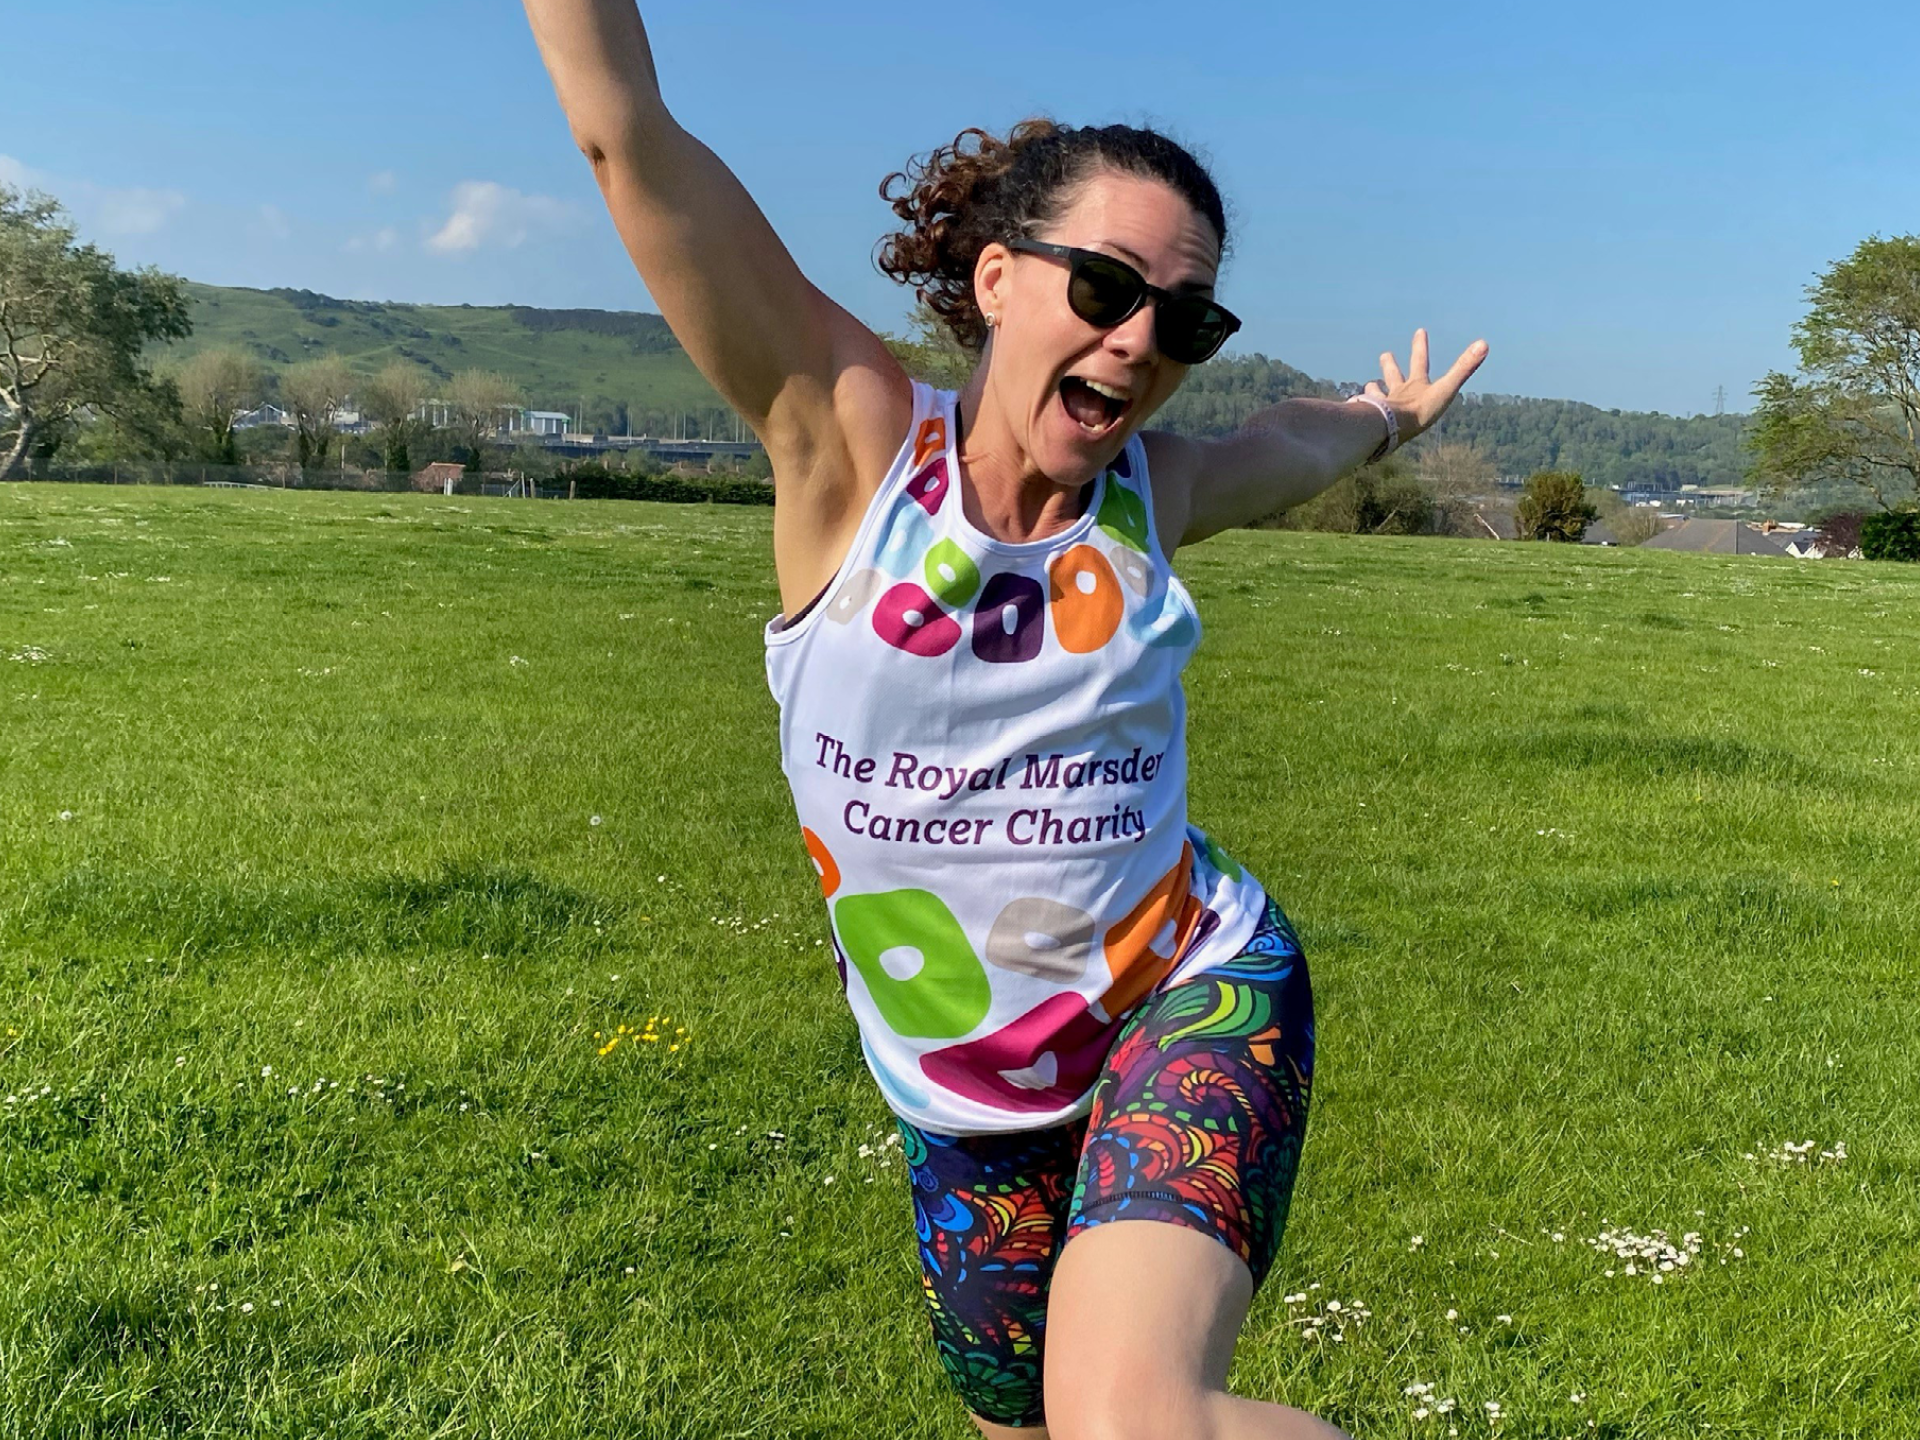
{"x":262,"y":415}
{"x":438,"y":478}
{"x":540,"y":422}
{"x":1718,"y":537}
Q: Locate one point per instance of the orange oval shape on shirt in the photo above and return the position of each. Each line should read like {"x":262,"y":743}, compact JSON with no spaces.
{"x":931,"y":440}
{"x":1133,"y":961}
{"x":822,"y":862}
{"x":1086,"y":601}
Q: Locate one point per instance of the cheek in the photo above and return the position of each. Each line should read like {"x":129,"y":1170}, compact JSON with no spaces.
{"x":1165,"y":381}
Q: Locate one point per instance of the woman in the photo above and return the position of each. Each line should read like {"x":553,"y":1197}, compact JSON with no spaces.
{"x":1094,"y":1027}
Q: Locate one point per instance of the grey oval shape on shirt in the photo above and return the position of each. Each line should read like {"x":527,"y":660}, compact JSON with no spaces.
{"x":860,"y":587}
{"x":1011,"y":942}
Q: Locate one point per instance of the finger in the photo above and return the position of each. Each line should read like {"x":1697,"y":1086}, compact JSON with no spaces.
{"x":1443,"y":390}
{"x":1462,"y":369}
{"x":1417,"y":359}
{"x":1373,"y":387}
{"x":1390,"y":368}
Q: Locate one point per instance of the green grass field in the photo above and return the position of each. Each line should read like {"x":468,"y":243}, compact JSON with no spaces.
{"x":342,"y":833}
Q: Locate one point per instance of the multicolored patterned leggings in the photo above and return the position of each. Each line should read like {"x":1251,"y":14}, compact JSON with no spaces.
{"x":1197,"y":1120}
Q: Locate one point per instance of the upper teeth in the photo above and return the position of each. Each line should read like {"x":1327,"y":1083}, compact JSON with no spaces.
{"x":1106,"y":390}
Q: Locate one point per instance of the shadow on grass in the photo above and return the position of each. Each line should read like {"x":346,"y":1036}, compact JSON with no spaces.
{"x":1744,"y":914}
{"x":1639,"y":756}
{"x":503,"y":912}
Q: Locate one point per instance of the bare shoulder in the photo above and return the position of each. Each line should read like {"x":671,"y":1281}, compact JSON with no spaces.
{"x":1174,"y":464}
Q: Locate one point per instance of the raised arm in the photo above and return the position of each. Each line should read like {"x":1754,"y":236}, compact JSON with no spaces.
{"x":817,"y":386}
{"x":1292,"y":451}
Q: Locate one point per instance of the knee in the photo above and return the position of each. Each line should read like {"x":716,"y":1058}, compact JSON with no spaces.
{"x":1137,"y":1405}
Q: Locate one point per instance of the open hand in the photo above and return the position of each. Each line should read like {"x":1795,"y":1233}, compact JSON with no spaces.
{"x":1417,"y":400}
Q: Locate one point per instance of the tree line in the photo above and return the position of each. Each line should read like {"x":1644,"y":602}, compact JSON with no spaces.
{"x":77,"y":334}
{"x":78,"y":379}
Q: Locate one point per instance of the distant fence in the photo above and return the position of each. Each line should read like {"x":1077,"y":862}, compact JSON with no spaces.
{"x":272,"y":476}
{"x":593,"y":484}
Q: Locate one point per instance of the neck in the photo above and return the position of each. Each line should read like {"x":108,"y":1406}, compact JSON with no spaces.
{"x":1003,"y":493}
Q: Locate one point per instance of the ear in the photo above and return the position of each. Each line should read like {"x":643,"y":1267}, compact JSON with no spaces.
{"x":991,"y":279}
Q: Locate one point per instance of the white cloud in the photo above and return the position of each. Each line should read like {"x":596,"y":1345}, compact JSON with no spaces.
{"x":137,"y":210}
{"x":486,"y":212}
{"x":383,"y":182}
{"x":272,"y":223}
{"x":381,"y":240}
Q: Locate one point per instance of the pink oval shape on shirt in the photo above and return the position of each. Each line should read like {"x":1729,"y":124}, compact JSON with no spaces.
{"x":910,"y":619}
{"x":1047,"y":1058}
{"x":930,"y":486}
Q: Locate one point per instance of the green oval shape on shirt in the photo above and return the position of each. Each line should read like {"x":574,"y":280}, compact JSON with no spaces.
{"x":951,"y":576}
{"x":1224,"y":862}
{"x":933,"y":986}
{"x":1123,"y":515}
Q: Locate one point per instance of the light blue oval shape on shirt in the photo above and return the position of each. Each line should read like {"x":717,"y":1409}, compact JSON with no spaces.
{"x":1163,"y":621}
{"x":897,"y":1092}
{"x":908,"y":539}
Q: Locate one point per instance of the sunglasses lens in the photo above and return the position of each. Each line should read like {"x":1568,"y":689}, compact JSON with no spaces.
{"x":1190,"y":331}
{"x":1103,"y":292}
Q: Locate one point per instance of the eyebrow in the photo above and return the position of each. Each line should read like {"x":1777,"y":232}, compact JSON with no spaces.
{"x":1139,"y":262}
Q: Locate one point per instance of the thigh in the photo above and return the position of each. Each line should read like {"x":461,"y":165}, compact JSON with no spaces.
{"x":990,"y":1213}
{"x":1201,"y":1110}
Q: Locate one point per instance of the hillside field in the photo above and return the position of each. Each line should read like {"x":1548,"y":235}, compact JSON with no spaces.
{"x":559,"y":358}
{"x":624,"y":368}
{"x":341,"y":834}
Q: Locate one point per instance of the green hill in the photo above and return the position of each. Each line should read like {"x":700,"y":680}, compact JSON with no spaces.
{"x":622,"y":368}
{"x":612,"y":365}
{"x":1624,"y":448}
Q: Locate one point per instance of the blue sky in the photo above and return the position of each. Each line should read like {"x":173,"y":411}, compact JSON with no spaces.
{"x":1627,"y":201}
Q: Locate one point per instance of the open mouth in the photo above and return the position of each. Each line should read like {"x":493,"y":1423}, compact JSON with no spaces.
{"x":1094,"y":407}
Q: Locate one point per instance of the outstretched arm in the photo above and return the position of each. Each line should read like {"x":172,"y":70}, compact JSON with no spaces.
{"x":1292,"y":451}
{"x":816,"y":385}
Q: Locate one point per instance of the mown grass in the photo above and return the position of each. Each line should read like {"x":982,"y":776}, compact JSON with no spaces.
{"x":1604,"y":862}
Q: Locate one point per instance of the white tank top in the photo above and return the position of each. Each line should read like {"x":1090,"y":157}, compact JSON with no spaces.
{"x":987,"y":747}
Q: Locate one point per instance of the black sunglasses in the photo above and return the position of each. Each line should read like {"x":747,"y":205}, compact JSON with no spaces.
{"x":1105,"y":292}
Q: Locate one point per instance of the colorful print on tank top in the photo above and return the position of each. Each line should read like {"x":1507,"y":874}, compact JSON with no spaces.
{"x":986,"y":743}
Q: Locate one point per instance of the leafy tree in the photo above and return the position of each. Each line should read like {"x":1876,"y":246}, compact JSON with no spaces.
{"x":1853,"y":412}
{"x":479,"y":401}
{"x":1217,"y":398}
{"x":929,"y":352}
{"x":215,"y":387}
{"x":1382,"y":499}
{"x":1458,"y":475}
{"x":316,"y":392}
{"x":390,"y":400}
{"x":1554,"y":506}
{"x":1891,"y":535}
{"x":1517,"y":435}
{"x":1841,"y":530}
{"x":1630,"y":524}
{"x":73,"y":328}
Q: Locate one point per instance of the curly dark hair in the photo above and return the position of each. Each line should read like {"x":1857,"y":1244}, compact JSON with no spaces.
{"x":980,"y":189}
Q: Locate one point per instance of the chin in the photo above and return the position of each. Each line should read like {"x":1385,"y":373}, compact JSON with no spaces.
{"x":1071,"y":469}
{"x":1070,"y":455}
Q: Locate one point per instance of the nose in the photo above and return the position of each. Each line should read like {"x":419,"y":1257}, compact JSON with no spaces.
{"x":1133,"y":339}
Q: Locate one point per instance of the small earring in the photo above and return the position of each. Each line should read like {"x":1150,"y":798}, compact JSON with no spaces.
{"x":991,"y":320}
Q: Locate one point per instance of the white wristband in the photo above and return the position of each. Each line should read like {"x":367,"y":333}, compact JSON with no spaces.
{"x":1392,"y":442}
